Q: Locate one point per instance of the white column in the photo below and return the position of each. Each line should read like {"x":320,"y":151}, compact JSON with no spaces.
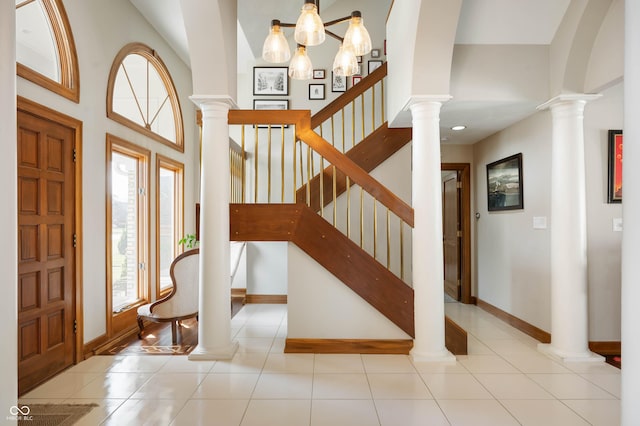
{"x":569,"y":293}
{"x":8,"y":214}
{"x":427,"y":254}
{"x":214,"y":317}
{"x":631,"y":216}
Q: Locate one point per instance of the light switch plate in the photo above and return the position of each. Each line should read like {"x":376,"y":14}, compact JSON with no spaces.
{"x":539,"y":222}
{"x":617,"y":224}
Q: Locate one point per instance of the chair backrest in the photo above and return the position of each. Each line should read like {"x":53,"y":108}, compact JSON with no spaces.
{"x":183,"y":299}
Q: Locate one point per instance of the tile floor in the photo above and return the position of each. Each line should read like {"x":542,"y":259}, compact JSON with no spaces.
{"x":503,"y":381}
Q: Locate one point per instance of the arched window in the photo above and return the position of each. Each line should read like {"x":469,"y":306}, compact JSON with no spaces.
{"x":141,"y":95}
{"x":45,"y":51}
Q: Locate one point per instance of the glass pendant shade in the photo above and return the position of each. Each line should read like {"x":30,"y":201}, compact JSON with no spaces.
{"x":276,"y":48}
{"x":345,"y":62}
{"x":357,"y":35}
{"x":300,"y":67}
{"x":309,"y":28}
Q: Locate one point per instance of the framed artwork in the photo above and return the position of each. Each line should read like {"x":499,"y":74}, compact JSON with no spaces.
{"x":504,"y":184}
{"x":359,"y":58}
{"x":318,"y":74}
{"x":614,"y":187}
{"x":355,"y":79}
{"x":316,"y":91}
{"x":373,"y":65}
{"x":375,"y":53}
{"x":338,"y":83}
{"x":270,"y":104}
{"x":270,"y":81}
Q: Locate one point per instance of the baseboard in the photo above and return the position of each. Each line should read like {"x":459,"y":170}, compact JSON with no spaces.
{"x":348,"y":346}
{"x":267,"y":298}
{"x":516,"y":322}
{"x":89,"y":348}
{"x":110,"y":343}
{"x":239,"y":293}
{"x":606,"y":348}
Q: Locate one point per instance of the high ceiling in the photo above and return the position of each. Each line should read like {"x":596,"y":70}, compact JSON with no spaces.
{"x":505,"y":22}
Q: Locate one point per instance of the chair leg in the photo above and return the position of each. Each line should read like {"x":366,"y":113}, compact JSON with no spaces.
{"x":174,"y":341}
{"x":140,"y":326}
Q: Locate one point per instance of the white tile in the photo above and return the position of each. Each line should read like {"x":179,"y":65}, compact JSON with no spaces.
{"x":182,"y":364}
{"x":455,"y":386}
{"x":604,"y":412}
{"x":387,"y":364}
{"x":226,"y":386}
{"x":476,"y":413}
{"x":289,"y":363}
{"x":508,"y":346}
{"x":95,"y":364}
{"x":139,"y":363}
{"x":278,"y":345}
{"x":592,"y":367}
{"x":570,"y":386}
{"x":145,"y":411}
{"x":170,"y":386}
{"x":476,"y":347}
{"x":418,"y":412}
{"x":398,"y":386}
{"x":540,"y":412}
{"x":341,"y":386}
{"x":254,"y":344}
{"x":479,"y":364}
{"x":440,"y":367}
{"x":207,"y":412}
{"x":535,"y":362}
{"x":284,"y":386}
{"x":277,"y":413}
{"x":97,"y":414}
{"x":609,"y":382}
{"x":243,"y":363}
{"x":338,"y":363}
{"x":250,"y":330}
{"x":113,"y":385}
{"x":63,"y":385}
{"x":343,"y":413}
{"x":512,"y":386}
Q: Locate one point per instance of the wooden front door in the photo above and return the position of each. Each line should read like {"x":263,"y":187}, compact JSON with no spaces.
{"x":451,"y":233}
{"x":46,"y":258}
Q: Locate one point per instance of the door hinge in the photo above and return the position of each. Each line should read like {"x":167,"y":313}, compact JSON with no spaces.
{"x":142,"y":191}
{"x":459,"y":282}
{"x":459,"y":234}
{"x":75,"y":155}
{"x":75,"y":240}
{"x":459,"y":185}
{"x":75,"y":326}
{"x":141,"y":266}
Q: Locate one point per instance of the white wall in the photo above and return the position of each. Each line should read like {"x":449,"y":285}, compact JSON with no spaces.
{"x":100,"y":30}
{"x":267,"y":268}
{"x":322,"y":307}
{"x":8,"y":214}
{"x":513,"y":269}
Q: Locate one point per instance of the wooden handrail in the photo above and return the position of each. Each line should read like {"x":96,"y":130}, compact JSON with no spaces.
{"x":349,"y":96}
{"x":302,"y":121}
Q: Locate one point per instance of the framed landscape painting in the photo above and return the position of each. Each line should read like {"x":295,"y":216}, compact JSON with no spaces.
{"x":270,"y":81}
{"x":504,"y":184}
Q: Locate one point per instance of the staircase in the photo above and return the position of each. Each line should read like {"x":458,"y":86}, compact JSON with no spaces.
{"x":302,"y":179}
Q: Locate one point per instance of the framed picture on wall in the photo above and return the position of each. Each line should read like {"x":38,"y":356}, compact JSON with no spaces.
{"x":614,"y":187}
{"x":270,"y":81}
{"x":504,"y":184}
{"x":338,"y":83}
{"x":270,"y":104}
{"x":318,"y":74}
{"x":373,"y":65}
{"x":316,"y":91}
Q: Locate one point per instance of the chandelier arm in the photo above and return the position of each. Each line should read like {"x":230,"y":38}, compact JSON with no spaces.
{"x":336,"y":21}
{"x":337,"y":37}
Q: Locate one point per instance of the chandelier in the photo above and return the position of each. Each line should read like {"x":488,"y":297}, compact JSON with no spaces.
{"x":311,"y":31}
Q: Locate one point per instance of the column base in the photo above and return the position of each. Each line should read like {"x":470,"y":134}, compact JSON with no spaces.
{"x":211,"y":354}
{"x":586,"y":356}
{"x":439,"y":357}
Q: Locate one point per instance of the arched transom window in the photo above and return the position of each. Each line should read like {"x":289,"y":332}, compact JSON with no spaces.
{"x":141,"y":95}
{"x":45,"y":51}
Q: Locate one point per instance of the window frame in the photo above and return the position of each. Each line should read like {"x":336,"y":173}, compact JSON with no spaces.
{"x":118,"y":322}
{"x":154,"y":59}
{"x":176,"y":167}
{"x":69,"y":84}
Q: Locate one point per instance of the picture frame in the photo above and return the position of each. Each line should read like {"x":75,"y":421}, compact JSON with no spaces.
{"x":373,"y":65}
{"x":269,"y":81}
{"x":338,"y":83}
{"x":614,"y":185}
{"x":270,"y":104}
{"x":316,"y":91}
{"x":355,"y":80}
{"x":504,"y":184}
{"x":375,"y":53}
{"x":359,"y":58}
{"x":318,"y":74}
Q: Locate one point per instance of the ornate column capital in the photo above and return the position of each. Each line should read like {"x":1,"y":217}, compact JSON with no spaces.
{"x":566,"y":99}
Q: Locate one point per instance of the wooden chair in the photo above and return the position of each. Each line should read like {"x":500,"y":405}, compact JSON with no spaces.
{"x":182,"y":302}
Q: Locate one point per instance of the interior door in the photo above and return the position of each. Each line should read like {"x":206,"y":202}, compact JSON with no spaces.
{"x":451,"y":234}
{"x":46,"y":199}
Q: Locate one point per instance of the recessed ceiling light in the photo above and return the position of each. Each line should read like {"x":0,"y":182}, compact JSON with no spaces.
{"x":458,"y":127}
